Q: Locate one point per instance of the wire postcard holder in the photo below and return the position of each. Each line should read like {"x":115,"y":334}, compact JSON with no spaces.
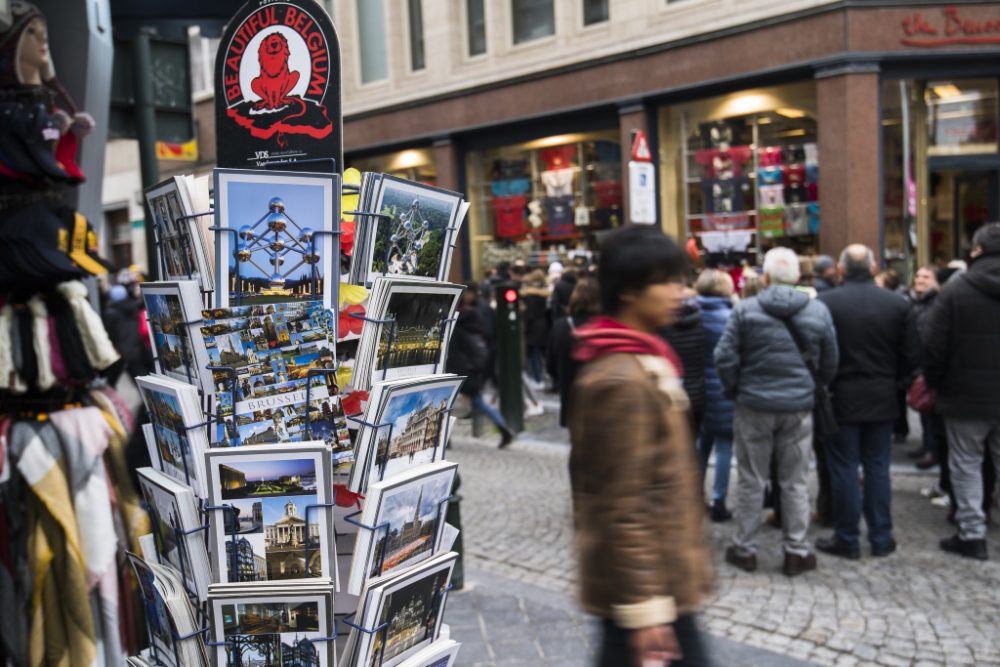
{"x":445,"y":426}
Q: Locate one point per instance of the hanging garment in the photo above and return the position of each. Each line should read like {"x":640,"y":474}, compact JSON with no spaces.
{"x":559,"y":215}
{"x":509,"y":213}
{"x":558,"y":182}
{"x":796,"y":220}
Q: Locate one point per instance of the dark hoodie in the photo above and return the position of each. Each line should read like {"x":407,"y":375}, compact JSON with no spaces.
{"x":758,"y":362}
{"x":961,"y":336}
{"x":687,"y":337}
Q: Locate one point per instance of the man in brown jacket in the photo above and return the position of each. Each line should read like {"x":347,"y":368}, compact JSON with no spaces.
{"x":644,"y":560}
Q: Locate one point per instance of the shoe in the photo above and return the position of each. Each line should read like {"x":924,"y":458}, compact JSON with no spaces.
{"x":506,"y":437}
{"x":932,"y":492}
{"x":881,"y":551}
{"x":796,"y":564}
{"x":967,"y":548}
{"x":746,"y":562}
{"x":927,"y":462}
{"x":917,"y":453}
{"x":941,"y":501}
{"x":718,"y":512}
{"x":772,"y":520}
{"x":834,"y":547}
{"x":534,"y":410}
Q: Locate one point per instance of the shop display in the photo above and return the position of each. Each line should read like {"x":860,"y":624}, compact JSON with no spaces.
{"x":175,"y":414}
{"x":278,"y":244}
{"x":277,"y":86}
{"x":441,"y":653}
{"x":173,"y":310}
{"x":280,"y":527}
{"x":287,"y":625}
{"x":183,"y":236}
{"x":409,"y":606}
{"x":406,"y":514}
{"x":173,"y":512}
{"x":407,"y":330}
{"x":404,"y":426}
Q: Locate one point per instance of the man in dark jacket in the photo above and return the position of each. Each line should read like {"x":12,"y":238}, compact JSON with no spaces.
{"x":878,"y":353}
{"x":760,"y":367}
{"x":826,"y":274}
{"x":687,"y":337}
{"x":962,"y":362}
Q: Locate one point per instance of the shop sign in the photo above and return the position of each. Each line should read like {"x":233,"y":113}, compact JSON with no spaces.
{"x":277,"y":82}
{"x":642,"y":193}
{"x":951,"y":27}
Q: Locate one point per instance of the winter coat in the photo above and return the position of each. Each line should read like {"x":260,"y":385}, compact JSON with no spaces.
{"x":637,"y":502}
{"x":469,"y":353}
{"x":822,"y":285}
{"x":961,"y":337}
{"x":561,"y":292}
{"x":121,"y":320}
{"x":758,"y":362}
{"x":559,"y":361}
{"x":718,"y":419}
{"x":687,"y":337}
{"x":878,"y":349}
{"x":535,"y":316}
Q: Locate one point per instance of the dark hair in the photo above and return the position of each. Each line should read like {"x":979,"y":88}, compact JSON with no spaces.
{"x":987,"y":237}
{"x":632,"y":258}
{"x":585,"y":299}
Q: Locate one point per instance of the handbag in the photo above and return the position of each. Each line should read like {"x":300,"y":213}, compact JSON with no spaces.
{"x":921,"y":397}
{"x":824,"y":419}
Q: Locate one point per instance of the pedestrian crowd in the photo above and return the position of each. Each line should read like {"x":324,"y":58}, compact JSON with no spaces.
{"x":799,"y":363}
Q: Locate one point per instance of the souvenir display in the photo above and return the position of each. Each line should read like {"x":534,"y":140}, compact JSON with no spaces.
{"x":177,"y":430}
{"x":407,"y":512}
{"x":169,"y":617}
{"x":270,"y":250}
{"x":174,"y":313}
{"x":404,"y":425}
{"x":281,"y":625}
{"x":280,"y":526}
{"x":441,"y":653}
{"x":182,"y":238}
{"x":407,"y":330}
{"x":412,"y":233}
{"x":411,"y":606}
{"x":173,"y":512}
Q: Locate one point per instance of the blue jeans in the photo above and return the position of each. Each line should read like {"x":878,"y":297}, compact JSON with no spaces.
{"x":479,"y":403}
{"x":869,"y":445}
{"x":723,"y":445}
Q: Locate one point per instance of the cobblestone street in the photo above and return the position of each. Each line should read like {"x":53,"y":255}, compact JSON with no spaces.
{"x":919,"y":607}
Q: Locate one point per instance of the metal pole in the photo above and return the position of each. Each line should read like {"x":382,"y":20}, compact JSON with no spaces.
{"x":509,"y":354}
{"x":145,"y":125}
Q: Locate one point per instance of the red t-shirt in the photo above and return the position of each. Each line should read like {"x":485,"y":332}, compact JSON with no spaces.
{"x":510,"y":216}
{"x":559,"y":157}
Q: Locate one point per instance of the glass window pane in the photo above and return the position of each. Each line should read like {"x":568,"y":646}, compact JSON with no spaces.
{"x":595,"y":11}
{"x":962,"y":116}
{"x":371,"y":40}
{"x":533,"y":19}
{"x":416,"y":35}
{"x":476,"y":17}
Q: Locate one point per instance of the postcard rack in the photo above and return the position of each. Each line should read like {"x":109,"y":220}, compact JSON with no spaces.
{"x":445,"y":417}
{"x":160,"y":235}
{"x":445,"y":324}
{"x":372,"y":219}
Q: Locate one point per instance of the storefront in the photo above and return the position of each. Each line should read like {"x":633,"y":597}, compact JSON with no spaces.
{"x":414,"y":164}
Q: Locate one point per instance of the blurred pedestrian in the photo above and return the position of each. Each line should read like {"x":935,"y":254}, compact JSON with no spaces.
{"x":878,"y":355}
{"x":761,"y":367}
{"x":124,"y":320}
{"x":687,"y":338}
{"x":933,"y":447}
{"x":715,"y":297}
{"x":961,"y":337}
{"x":535,"y":299}
{"x":638,"y":510}
{"x":584,"y":304}
{"x":469,"y":355}
{"x":561,"y":292}
{"x":825,"y":273}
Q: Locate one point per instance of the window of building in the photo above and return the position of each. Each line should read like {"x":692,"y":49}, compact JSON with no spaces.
{"x":202,"y":50}
{"x":533,"y":19}
{"x":595,"y":11}
{"x":476,"y":24}
{"x":371,"y":40}
{"x":416,"y":35}
{"x":121,"y":236}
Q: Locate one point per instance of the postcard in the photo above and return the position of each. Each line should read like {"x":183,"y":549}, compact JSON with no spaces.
{"x":269,"y":627}
{"x":409,"y":513}
{"x":173,"y":511}
{"x":280,"y":526}
{"x":410,"y":420}
{"x":441,"y":653}
{"x":162,"y":629}
{"x":183,"y":244}
{"x":412,"y":604}
{"x":415,"y":240}
{"x":272,"y":253}
{"x":175,"y":413}
{"x":174,"y":313}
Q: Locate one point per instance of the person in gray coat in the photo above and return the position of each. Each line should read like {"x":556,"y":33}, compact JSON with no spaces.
{"x":761,"y":369}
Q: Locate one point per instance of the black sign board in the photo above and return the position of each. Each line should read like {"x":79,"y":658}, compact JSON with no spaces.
{"x":277,"y":86}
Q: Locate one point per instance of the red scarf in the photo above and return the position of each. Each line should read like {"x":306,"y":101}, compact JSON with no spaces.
{"x":603,"y":336}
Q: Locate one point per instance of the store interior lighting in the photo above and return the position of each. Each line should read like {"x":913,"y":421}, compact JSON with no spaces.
{"x":790,"y":113}
{"x":556,"y":140}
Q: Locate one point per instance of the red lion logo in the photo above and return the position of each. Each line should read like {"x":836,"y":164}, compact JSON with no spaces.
{"x":275,"y":80}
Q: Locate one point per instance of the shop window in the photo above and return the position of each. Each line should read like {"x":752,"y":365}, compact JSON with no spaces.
{"x":121,"y":237}
{"x":414,"y":164}
{"x":202,"y":51}
{"x":543,"y":200}
{"x":371,"y":40}
{"x":961,"y":116}
{"x":533,"y":19}
{"x":476,"y":24}
{"x":595,"y":11}
{"x":416,"y":35}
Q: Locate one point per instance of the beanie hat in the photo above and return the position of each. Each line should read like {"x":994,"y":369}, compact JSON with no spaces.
{"x":117,"y":293}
